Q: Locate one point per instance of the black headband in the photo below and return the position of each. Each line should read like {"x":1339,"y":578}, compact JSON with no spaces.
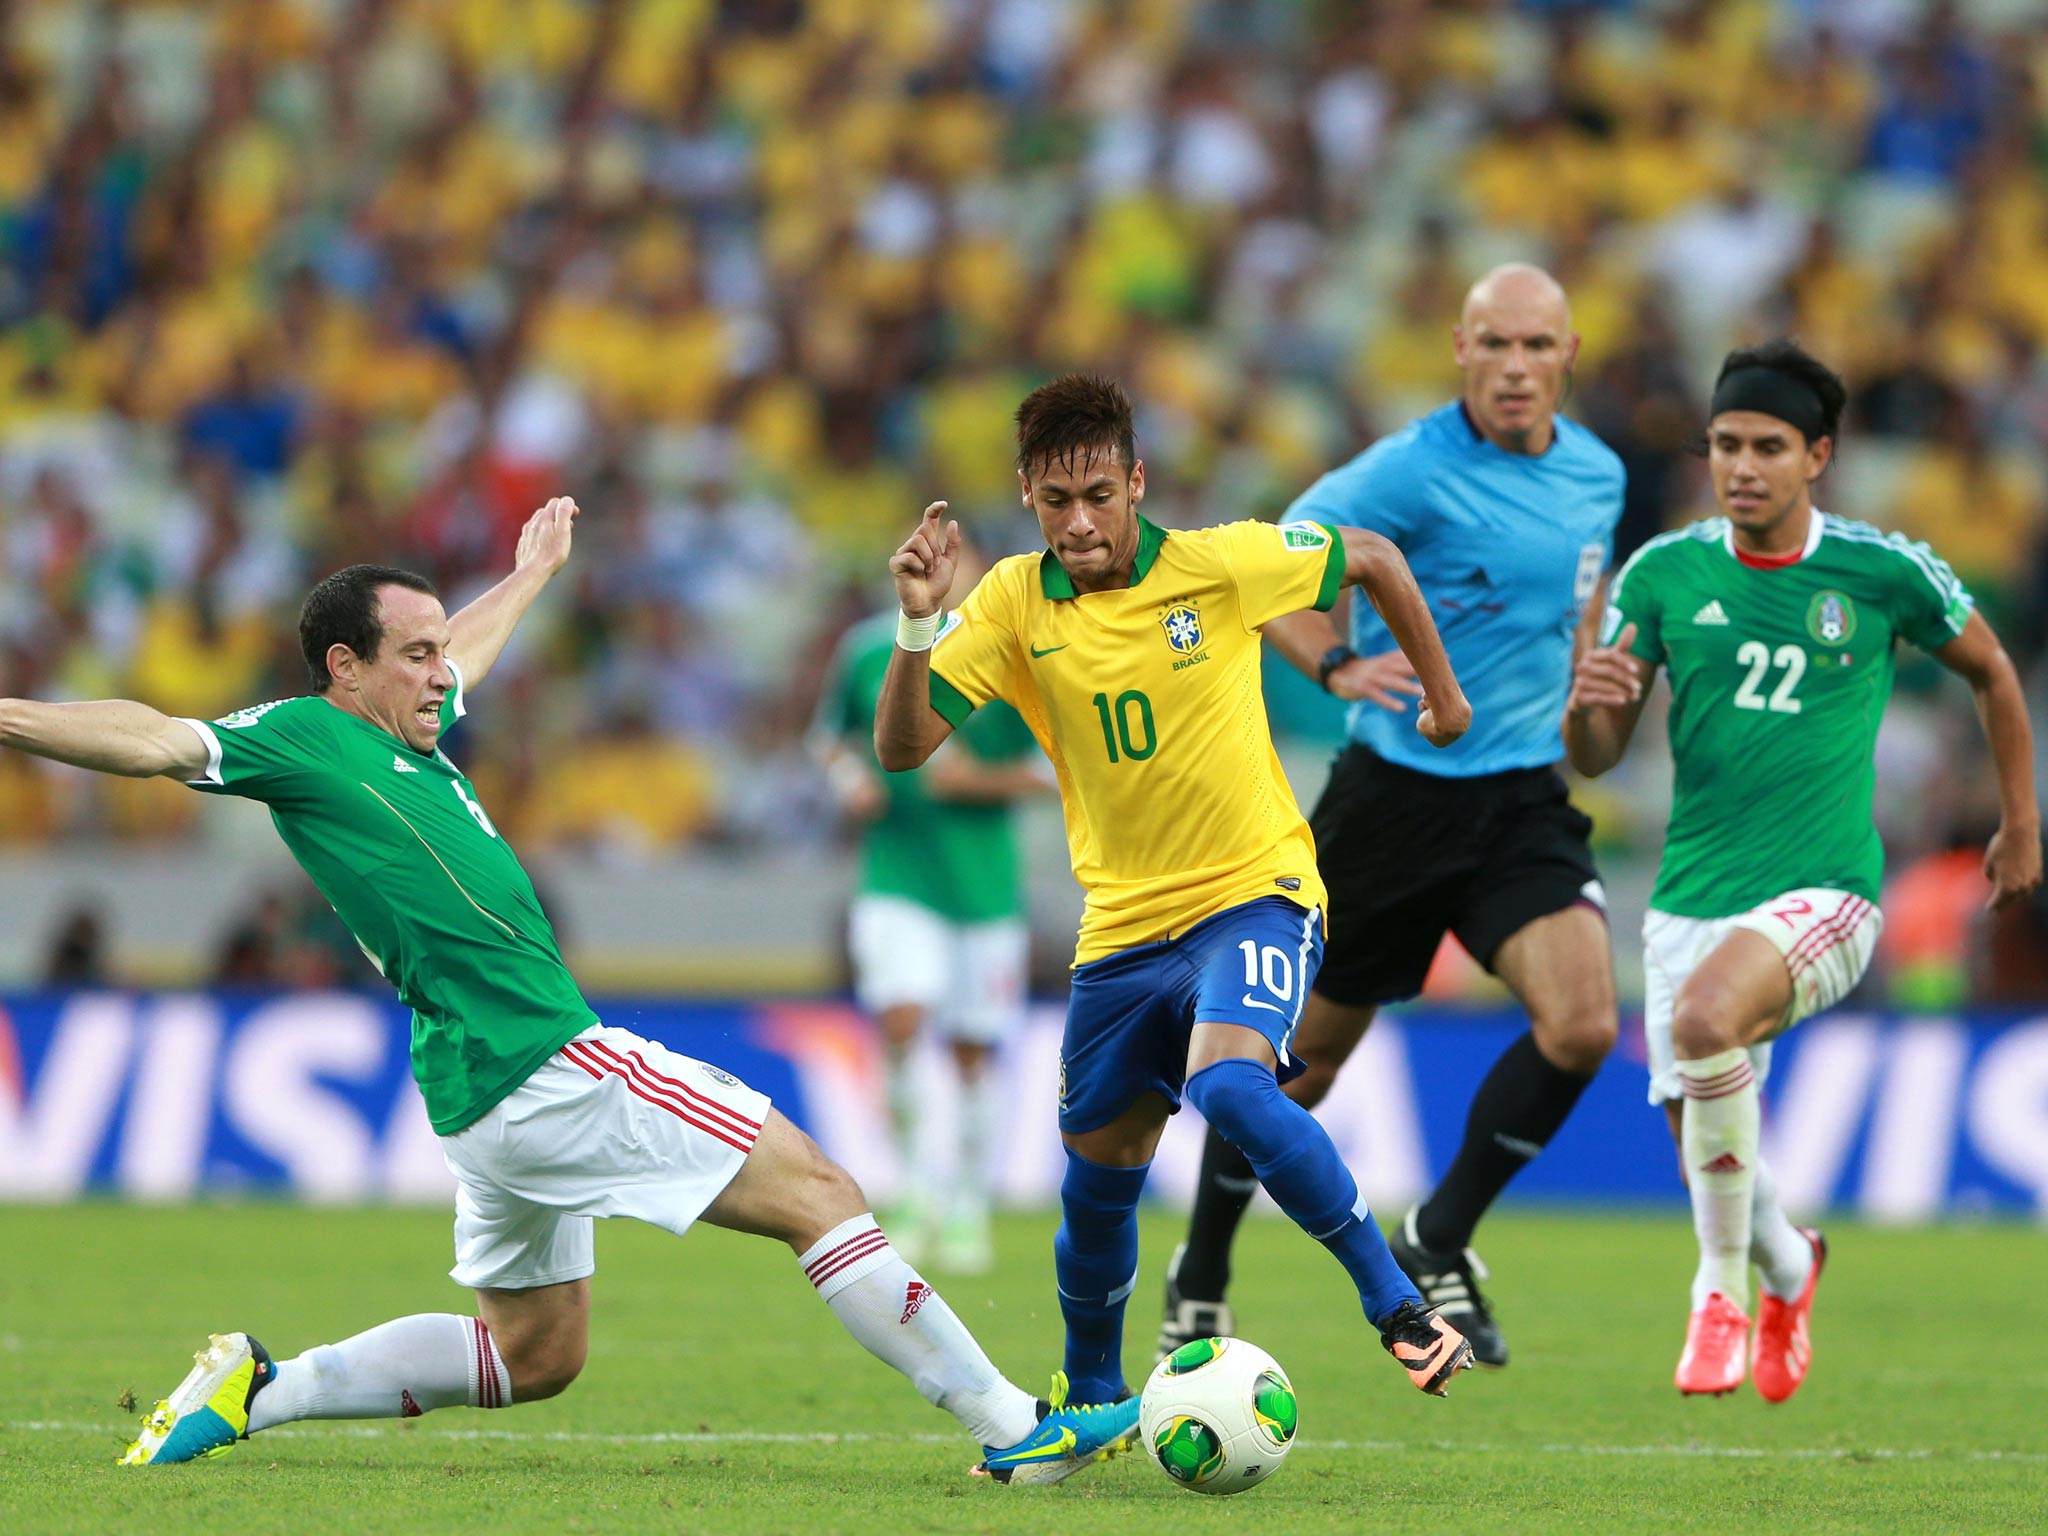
{"x":1773,"y":393}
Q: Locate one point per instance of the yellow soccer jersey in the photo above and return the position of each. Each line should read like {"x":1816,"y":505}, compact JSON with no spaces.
{"x":1147,"y":700}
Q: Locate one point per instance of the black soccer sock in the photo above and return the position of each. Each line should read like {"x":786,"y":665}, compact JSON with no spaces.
{"x":1225,"y":1188}
{"x":1516,"y":1111}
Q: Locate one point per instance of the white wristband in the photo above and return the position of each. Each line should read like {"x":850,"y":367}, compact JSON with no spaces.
{"x":916,"y":634}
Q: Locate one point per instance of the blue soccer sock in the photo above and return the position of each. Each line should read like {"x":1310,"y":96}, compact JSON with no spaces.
{"x":1293,"y":1156}
{"x":1095,"y":1257}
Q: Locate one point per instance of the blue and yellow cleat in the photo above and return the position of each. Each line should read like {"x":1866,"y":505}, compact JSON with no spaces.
{"x":209,"y":1411}
{"x":1067,"y":1439}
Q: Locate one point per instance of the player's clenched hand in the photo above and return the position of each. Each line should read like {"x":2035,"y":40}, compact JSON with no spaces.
{"x":544,"y":541}
{"x":2012,"y":863}
{"x":1387,"y":680}
{"x":1607,"y":676}
{"x":923,"y":566}
{"x":1442,"y":724}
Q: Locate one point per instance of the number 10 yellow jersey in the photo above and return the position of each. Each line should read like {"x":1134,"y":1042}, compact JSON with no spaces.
{"x":1147,"y":701}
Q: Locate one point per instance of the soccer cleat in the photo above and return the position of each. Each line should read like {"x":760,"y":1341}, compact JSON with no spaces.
{"x":1068,"y":1438}
{"x":1449,"y":1282}
{"x":209,"y":1411}
{"x":1784,"y":1349}
{"x":1716,"y":1339}
{"x":1187,"y":1320}
{"x":1429,"y":1349}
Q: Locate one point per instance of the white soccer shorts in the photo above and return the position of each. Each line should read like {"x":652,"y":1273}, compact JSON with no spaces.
{"x":967,"y":977}
{"x":1826,"y":936}
{"x":610,"y":1125}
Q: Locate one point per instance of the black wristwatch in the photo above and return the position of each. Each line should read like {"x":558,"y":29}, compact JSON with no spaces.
{"x":1331,"y":660}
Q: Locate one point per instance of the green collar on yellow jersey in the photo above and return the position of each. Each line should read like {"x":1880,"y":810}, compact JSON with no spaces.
{"x":1058,"y":586}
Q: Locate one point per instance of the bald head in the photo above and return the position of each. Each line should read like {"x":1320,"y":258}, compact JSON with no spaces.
{"x":1520,"y":289}
{"x":1515,"y":347}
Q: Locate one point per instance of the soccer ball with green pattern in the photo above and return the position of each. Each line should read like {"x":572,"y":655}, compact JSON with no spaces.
{"x":1217,"y":1415}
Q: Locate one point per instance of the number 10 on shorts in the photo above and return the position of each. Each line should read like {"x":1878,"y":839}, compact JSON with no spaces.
{"x":1269,"y":966}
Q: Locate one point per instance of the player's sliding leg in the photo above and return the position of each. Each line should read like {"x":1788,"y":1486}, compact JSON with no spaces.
{"x":398,"y":1369}
{"x":1736,"y":997}
{"x":1560,"y":967}
{"x":789,"y":1190}
{"x":1198,"y":1276}
{"x":1299,"y":1167}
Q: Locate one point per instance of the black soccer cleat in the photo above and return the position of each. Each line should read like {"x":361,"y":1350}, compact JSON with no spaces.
{"x":1187,"y":1320}
{"x":1429,"y":1349}
{"x":1449,"y":1282}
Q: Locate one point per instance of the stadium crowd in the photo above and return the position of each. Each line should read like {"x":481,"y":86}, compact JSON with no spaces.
{"x":291,"y":283}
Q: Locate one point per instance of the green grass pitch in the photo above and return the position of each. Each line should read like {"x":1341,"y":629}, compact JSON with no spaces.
{"x":721,"y":1397}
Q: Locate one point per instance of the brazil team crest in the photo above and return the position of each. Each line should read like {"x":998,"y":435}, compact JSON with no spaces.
{"x":1183,"y":628}
{"x":1831,"y":618}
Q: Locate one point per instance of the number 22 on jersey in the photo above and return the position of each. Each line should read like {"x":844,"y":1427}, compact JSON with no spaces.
{"x":1760,"y":659}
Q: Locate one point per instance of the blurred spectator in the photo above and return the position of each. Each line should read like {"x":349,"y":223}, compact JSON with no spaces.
{"x":78,"y":951}
{"x":627,"y":794}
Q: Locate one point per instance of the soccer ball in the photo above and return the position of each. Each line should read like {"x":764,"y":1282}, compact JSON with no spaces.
{"x":1217,"y":1415}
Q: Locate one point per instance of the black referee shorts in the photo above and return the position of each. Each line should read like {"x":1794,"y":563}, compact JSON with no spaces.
{"x":1408,"y":855}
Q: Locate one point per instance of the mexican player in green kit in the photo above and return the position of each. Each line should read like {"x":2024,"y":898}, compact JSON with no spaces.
{"x":937,"y":931}
{"x":547,"y":1117}
{"x":1776,"y":624}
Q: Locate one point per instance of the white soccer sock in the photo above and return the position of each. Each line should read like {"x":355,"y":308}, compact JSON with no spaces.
{"x":397,"y":1370}
{"x":980,"y":1098}
{"x":906,"y":1116}
{"x":1779,"y":1250}
{"x":902,"y":1321}
{"x":1723,"y":1121}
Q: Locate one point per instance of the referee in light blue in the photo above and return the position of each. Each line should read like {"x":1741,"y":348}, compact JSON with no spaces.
{"x":1506,"y":512}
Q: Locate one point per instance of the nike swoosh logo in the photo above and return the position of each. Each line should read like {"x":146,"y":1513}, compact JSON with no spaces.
{"x":1036,"y":652}
{"x":1253,"y":1002}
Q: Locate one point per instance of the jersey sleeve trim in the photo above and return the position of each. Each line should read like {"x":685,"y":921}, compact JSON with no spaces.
{"x":1333,"y":569}
{"x":212,"y":743}
{"x":461,"y":693}
{"x":950,"y":701}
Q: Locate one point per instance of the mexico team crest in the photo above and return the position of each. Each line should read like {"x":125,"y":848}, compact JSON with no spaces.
{"x":1831,"y":618}
{"x":1183,"y":628}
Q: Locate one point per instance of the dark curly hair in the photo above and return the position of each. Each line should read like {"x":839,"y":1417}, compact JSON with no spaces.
{"x":1073,"y":418}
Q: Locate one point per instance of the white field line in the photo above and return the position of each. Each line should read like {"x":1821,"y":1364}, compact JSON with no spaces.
{"x":115,"y":1430}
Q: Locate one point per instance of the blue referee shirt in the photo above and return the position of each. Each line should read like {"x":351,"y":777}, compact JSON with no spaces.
{"x":1508,"y":549}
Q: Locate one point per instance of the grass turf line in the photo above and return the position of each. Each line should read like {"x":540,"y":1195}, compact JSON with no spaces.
{"x":716,"y":1381}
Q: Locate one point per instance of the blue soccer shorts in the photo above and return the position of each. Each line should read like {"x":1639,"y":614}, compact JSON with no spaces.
{"x":1130,"y":1014}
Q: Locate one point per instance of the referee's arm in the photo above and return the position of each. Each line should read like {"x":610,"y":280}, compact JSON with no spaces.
{"x":1304,"y":638}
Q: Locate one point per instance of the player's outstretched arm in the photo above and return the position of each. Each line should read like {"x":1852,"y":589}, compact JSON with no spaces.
{"x":907,"y":729}
{"x":2012,"y":863}
{"x":1609,"y":686}
{"x":479,"y":631}
{"x":1373,"y":563}
{"x":107,"y":736}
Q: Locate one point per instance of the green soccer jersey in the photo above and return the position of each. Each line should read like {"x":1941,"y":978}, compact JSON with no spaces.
{"x":1779,"y":676}
{"x":396,"y":841}
{"x":958,"y":858}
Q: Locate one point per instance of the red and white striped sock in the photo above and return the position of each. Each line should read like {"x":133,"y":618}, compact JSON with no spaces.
{"x":897,"y":1317}
{"x":396,"y":1370}
{"x":1723,"y":1125}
